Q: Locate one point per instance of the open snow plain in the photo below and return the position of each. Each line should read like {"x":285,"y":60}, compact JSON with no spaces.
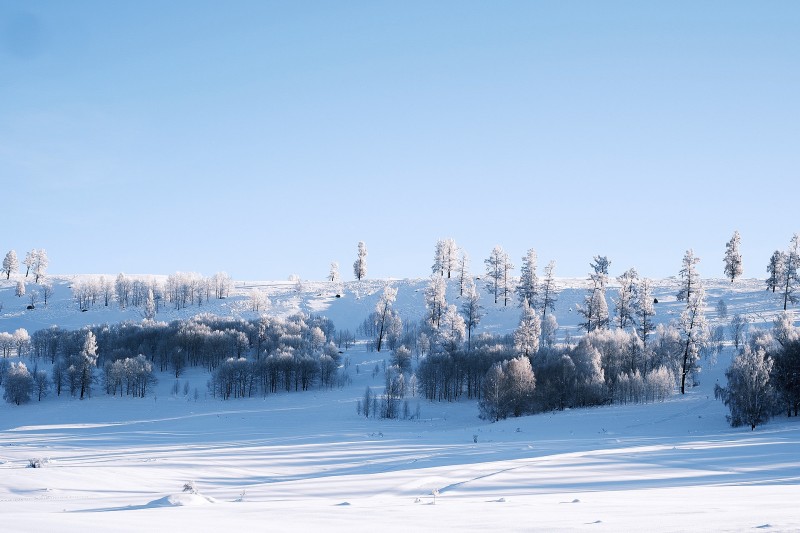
{"x":308,"y":461}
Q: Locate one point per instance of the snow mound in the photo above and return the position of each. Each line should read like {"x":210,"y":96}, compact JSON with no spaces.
{"x":182,"y":500}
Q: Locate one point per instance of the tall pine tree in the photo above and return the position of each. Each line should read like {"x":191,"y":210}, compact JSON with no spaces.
{"x":775,"y":270}
{"x":498,"y":272}
{"x":360,"y":264}
{"x":595,"y":307}
{"x":733,"y":258}
{"x":688,"y":275}
{"x":528,"y":287}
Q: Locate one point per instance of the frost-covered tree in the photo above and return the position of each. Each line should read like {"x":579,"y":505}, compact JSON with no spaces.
{"x":438,"y":258}
{"x":445,"y":260}
{"x":694,"y":333}
{"x":783,"y":329}
{"x":789,"y":273}
{"x":738,"y":327}
{"x":549,"y":295}
{"x":47,"y":291}
{"x":528,"y":287}
{"x":749,"y":394}
{"x":18,"y":384}
{"x":360,"y":264}
{"x":30,"y":259}
{"x":20,"y":290}
{"x":722,"y":308}
{"x":122,"y":288}
{"x":494,"y":271}
{"x":106,"y":290}
{"x":40,"y":264}
{"x":450,"y":257}
{"x":22,"y":341}
{"x":134,"y":376}
{"x":527,"y":334}
{"x":259,"y":301}
{"x":471,"y":309}
{"x":775,"y":270}
{"x":10,"y":263}
{"x":150,"y":305}
{"x":383,"y":309}
{"x":222,"y":284}
{"x":452,"y":330}
{"x":645,"y":310}
{"x":498,"y":272}
{"x":689,"y":278}
{"x":394,"y":391}
{"x":625,"y":304}
{"x":549,"y":330}
{"x":36,"y":261}
{"x":435,"y":300}
{"x":463,"y":271}
{"x":401,"y":358}
{"x":595,"y":308}
{"x":520,"y":383}
{"x":87,"y":361}
{"x":733,"y":258}
{"x":333,"y":275}
{"x":6,"y":344}
{"x":507,"y":389}
{"x":41,"y":383}
{"x":493,"y":402}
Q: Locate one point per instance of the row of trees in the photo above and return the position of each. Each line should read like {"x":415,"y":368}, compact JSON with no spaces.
{"x":296,"y":352}
{"x":450,"y":260}
{"x":286,"y":370}
{"x":181,"y":289}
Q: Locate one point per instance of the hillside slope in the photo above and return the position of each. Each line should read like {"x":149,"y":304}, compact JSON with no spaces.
{"x":299,"y":461}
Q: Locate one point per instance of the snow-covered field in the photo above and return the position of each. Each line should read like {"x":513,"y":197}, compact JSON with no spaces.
{"x":307,"y":461}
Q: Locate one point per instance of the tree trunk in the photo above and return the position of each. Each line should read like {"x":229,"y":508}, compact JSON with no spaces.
{"x":685,"y":361}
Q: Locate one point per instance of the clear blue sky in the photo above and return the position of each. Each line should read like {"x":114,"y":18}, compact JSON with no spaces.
{"x":268,"y":138}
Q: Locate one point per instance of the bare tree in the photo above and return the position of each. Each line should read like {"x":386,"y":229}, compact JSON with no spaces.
{"x":47,"y":291}
{"x":33,"y":297}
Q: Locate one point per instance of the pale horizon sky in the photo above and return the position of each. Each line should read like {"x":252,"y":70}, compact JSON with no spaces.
{"x":267,"y":138}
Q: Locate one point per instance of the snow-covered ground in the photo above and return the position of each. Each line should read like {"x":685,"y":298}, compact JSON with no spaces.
{"x":307,"y":461}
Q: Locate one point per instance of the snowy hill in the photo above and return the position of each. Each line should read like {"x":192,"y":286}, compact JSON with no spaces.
{"x":306,"y":461}
{"x":358,"y":298}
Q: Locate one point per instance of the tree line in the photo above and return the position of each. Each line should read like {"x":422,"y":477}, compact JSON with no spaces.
{"x":244,"y":357}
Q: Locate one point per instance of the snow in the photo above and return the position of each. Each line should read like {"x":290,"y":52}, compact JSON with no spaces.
{"x":307,"y":461}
